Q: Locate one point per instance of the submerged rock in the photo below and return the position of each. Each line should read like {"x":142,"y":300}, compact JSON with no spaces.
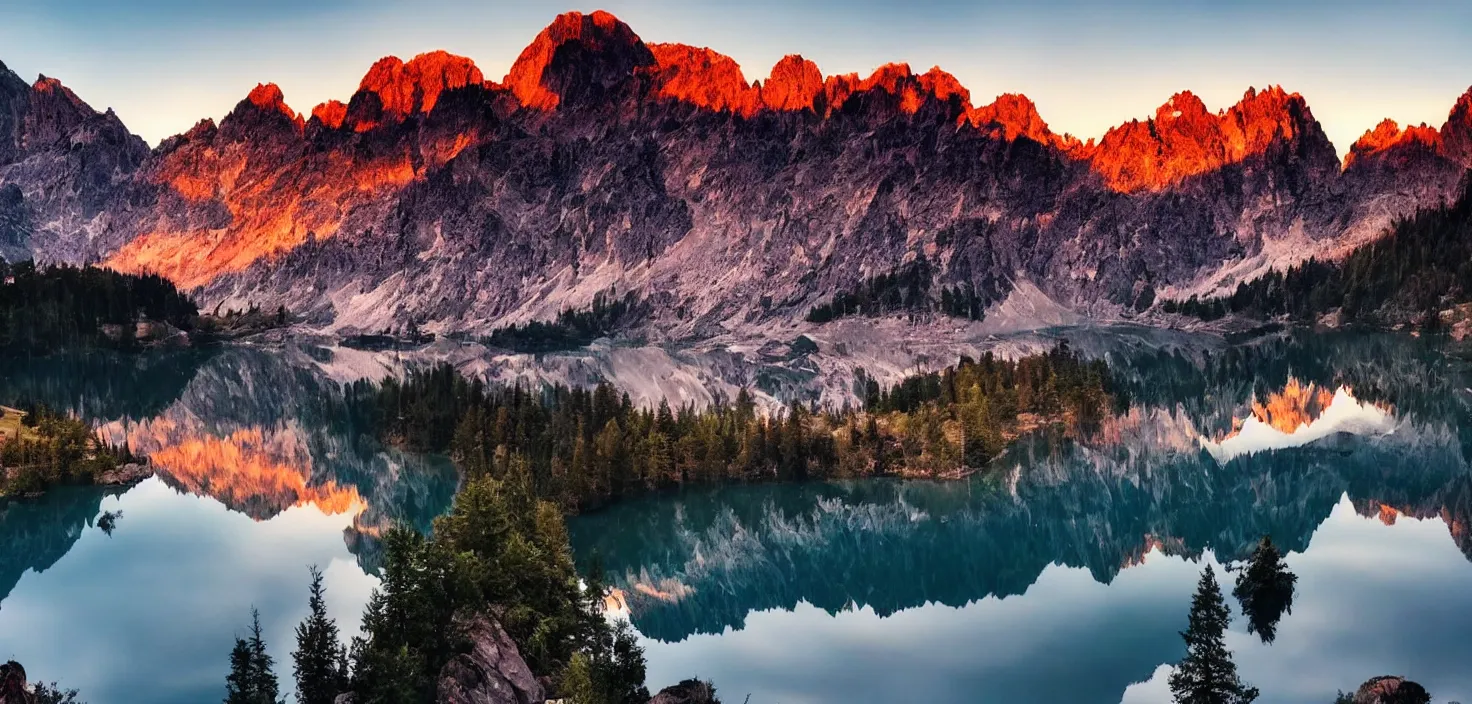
{"x":130,"y":473}
{"x":493,"y":672}
{"x":1390,"y":689}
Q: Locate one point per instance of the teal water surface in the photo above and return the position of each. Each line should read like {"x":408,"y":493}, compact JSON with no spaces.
{"x":1065,"y":573}
{"x":1061,"y":574}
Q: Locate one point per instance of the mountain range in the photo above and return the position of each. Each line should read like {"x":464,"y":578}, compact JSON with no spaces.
{"x":435,"y":196}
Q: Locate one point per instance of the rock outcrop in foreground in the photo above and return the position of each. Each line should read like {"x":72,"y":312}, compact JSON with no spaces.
{"x":493,"y":672}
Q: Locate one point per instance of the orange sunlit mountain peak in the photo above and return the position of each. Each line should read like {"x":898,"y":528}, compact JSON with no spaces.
{"x":411,"y":88}
{"x":1011,"y":116}
{"x":943,"y":85}
{"x":268,"y":96}
{"x":261,"y":472}
{"x":331,"y":113}
{"x":1296,"y":405}
{"x":1389,"y":135}
{"x":794,"y":84}
{"x":46,"y":84}
{"x":1185,"y":139}
{"x":703,"y":78}
{"x":607,"y":48}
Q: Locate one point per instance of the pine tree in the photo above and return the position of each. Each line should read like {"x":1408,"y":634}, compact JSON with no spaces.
{"x":251,"y":679}
{"x":1265,"y":590}
{"x":238,"y":688}
{"x":1207,"y":675}
{"x":320,"y":662}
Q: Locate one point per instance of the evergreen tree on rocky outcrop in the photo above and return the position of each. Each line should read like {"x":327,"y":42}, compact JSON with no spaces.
{"x":1207,"y":675}
{"x":252,"y":679}
{"x":1265,"y":590}
{"x":320,"y":661}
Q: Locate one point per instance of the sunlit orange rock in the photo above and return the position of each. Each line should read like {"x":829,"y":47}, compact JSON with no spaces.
{"x":268,"y":97}
{"x":575,"y":52}
{"x":1296,"y":405}
{"x":331,"y":113}
{"x":1456,"y":134}
{"x":252,"y":471}
{"x":1389,"y":137}
{"x":898,"y":80}
{"x":1012,"y":116}
{"x":837,"y":89}
{"x":275,"y":200}
{"x":703,"y":78}
{"x":943,"y":85}
{"x":45,"y":84}
{"x":413,"y":88}
{"x":794,"y":84}
{"x":1183,"y":139}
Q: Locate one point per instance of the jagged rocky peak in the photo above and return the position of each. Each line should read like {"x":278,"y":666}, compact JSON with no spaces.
{"x":913,"y":91}
{"x":1389,"y":140}
{"x":891,"y":88}
{"x":577,"y":59}
{"x":54,"y":113}
{"x":941,"y":84}
{"x":1011,"y":116}
{"x":794,"y":84}
{"x":331,"y":113}
{"x":393,"y":90}
{"x":704,"y":78}
{"x":268,"y":97}
{"x":1456,"y":134}
{"x":1185,"y":139}
{"x":264,"y":111}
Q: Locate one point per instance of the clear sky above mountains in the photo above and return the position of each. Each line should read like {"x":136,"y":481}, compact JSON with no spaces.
{"x":164,"y":64}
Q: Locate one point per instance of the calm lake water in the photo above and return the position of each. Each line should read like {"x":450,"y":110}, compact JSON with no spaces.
{"x":1061,"y":575}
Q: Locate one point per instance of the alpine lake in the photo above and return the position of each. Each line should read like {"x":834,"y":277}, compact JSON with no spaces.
{"x":1062,"y":573}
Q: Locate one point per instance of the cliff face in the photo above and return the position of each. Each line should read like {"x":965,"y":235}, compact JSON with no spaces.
{"x":437,"y":196}
{"x":63,"y":167}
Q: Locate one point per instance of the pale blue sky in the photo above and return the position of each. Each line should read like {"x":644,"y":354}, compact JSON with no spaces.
{"x":164,"y":64}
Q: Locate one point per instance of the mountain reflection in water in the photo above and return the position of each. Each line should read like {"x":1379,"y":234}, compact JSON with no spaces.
{"x":1062,"y":574}
{"x":258,"y":430}
{"x":1219,"y":448}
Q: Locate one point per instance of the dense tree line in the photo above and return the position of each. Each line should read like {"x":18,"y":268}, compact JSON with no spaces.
{"x":571,"y":329}
{"x":49,"y":448}
{"x":584,"y":447}
{"x":906,"y":290}
{"x":44,"y":309}
{"x":1420,"y":267}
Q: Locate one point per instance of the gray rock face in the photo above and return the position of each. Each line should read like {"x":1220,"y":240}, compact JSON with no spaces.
{"x":65,"y":170}
{"x":493,"y":672}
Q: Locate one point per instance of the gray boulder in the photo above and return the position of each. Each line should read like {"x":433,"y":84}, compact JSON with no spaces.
{"x":493,"y":672}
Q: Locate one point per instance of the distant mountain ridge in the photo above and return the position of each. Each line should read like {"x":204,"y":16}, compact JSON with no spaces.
{"x":436,"y":196}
